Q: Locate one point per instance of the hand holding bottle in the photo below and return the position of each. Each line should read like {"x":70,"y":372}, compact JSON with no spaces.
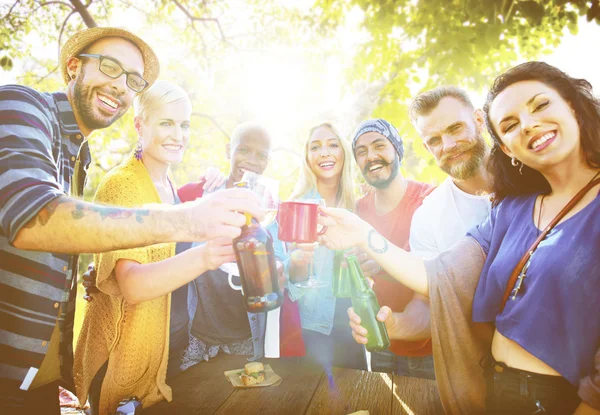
{"x":258,"y":273}
{"x":365,"y":304}
{"x":359,"y":333}
{"x":216,"y":215}
{"x":217,"y":252}
{"x":368,"y":266}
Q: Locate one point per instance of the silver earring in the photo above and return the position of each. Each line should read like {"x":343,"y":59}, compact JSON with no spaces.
{"x":517,"y":163}
{"x":138,"y":150}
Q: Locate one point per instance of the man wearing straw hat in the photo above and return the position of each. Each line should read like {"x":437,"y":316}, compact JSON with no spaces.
{"x":43,"y":225}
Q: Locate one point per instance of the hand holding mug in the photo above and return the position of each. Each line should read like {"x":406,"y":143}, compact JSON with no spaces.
{"x":298,"y":221}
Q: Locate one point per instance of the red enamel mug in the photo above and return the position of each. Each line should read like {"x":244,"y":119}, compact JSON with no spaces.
{"x":298,"y":222}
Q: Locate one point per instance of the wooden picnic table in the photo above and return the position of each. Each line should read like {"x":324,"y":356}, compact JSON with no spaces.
{"x":204,"y":389}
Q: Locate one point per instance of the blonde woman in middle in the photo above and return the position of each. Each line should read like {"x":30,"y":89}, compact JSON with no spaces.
{"x":325,"y":174}
{"x":123,"y":350}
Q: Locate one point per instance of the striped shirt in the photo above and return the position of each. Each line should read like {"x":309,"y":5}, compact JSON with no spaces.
{"x":43,"y":155}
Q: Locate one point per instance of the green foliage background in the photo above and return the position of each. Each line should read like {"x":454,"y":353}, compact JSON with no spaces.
{"x":408,"y":46}
{"x":418,"y":45}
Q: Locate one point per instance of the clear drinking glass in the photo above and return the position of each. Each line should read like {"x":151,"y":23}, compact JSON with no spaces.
{"x":267,"y":190}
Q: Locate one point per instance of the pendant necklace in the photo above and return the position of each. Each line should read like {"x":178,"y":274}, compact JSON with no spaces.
{"x":523,"y":273}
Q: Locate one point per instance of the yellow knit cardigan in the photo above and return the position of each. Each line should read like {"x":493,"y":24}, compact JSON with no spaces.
{"x":133,"y":338}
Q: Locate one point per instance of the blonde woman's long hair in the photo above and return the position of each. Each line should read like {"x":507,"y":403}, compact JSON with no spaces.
{"x":307,"y":182}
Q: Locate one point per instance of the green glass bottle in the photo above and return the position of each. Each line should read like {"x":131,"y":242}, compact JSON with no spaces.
{"x":342,"y":285}
{"x":365,"y":304}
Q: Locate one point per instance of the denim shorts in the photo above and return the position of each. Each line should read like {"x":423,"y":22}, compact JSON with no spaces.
{"x":515,"y":391}
{"x":416,"y":367}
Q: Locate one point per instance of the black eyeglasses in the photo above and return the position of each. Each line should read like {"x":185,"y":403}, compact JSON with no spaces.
{"x":113,"y":69}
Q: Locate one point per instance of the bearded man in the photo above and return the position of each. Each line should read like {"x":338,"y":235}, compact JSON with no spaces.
{"x":44,"y":223}
{"x":451,"y":129}
{"x":389,"y":208}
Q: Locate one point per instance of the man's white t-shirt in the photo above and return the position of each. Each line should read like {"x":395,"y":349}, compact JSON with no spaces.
{"x":444,"y":218}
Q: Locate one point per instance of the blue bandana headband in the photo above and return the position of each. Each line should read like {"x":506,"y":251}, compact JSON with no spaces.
{"x":381,"y":126}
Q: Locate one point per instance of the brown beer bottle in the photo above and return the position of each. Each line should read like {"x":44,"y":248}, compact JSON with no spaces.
{"x":256,"y":262}
{"x":365,"y":304}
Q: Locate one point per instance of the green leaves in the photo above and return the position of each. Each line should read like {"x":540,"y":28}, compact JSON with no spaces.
{"x":532,"y":11}
{"x":402,"y":47}
{"x":417,"y":45}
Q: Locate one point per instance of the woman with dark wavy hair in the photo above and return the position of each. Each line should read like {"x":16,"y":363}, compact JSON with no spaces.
{"x":530,"y":343}
{"x":510,"y":175}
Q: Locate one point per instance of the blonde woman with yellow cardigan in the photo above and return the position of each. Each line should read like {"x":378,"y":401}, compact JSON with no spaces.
{"x":124,"y":341}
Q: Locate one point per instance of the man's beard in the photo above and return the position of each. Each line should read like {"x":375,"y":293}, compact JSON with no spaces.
{"x":463,"y":170}
{"x":82,"y":96}
{"x":382,"y":183}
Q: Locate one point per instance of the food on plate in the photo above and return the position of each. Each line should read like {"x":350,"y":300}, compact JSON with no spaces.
{"x":253,"y":373}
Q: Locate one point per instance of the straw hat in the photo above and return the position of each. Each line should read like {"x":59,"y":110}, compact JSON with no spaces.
{"x":83,"y":38}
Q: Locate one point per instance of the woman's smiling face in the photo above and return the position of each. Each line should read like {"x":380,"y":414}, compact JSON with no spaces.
{"x":166,"y":132}
{"x":536,"y":125}
{"x":325,"y":155}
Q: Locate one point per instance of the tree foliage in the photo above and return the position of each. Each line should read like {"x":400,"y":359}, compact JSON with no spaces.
{"x":201,"y":32}
{"x":50,"y":19}
{"x":420,"y":44}
{"x":457,"y":41}
{"x":411,"y":45}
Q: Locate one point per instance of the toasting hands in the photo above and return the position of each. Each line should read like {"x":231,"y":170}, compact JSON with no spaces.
{"x":344,"y":229}
{"x":368,"y":266}
{"x":220,"y":214}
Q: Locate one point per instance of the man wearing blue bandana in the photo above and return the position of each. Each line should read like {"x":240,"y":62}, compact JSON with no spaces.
{"x":389,"y":207}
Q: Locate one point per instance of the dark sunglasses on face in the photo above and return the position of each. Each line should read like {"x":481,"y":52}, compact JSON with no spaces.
{"x":112,"y":69}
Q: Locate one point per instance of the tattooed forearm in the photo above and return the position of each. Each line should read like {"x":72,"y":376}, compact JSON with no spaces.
{"x":46,"y":212}
{"x":377,"y":243}
{"x":81,"y":210}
